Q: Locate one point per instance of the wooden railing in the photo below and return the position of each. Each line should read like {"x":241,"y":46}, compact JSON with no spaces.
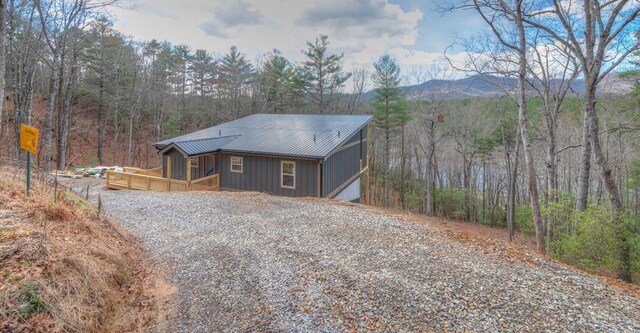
{"x":210,"y":183}
{"x":137,"y":181}
{"x":156,"y":172}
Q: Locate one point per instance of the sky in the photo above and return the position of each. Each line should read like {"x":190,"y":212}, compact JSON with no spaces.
{"x":414,"y":32}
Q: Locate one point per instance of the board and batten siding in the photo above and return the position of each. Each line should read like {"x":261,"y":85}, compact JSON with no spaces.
{"x":206,"y":163}
{"x":178,"y":165}
{"x":262,"y":174}
{"x":344,"y":163}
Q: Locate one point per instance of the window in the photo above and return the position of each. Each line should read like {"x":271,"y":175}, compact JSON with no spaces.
{"x":288,"y":174}
{"x":236,"y":164}
{"x":194,"y":163}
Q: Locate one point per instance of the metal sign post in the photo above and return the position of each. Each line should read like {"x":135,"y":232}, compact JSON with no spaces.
{"x":28,"y":172}
{"x":28,"y":142}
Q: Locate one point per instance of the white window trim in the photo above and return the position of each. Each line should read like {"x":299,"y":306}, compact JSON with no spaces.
{"x":241,"y":164}
{"x":282,"y":174}
{"x":197,"y":162}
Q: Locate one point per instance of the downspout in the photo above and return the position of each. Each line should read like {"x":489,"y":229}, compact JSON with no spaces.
{"x":319,"y":178}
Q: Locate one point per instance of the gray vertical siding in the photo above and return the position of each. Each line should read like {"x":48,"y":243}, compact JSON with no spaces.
{"x":178,"y":165}
{"x":342,"y":165}
{"x":262,"y":174}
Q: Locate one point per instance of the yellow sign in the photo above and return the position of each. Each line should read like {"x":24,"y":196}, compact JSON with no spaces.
{"x":28,"y":138}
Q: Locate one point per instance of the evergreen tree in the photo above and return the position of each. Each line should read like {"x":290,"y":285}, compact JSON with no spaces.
{"x":235,"y":74}
{"x":321,"y":76}
{"x":202,"y":73}
{"x":390,"y":107}
{"x":182,"y":54}
{"x":101,"y":58}
{"x":278,"y":83}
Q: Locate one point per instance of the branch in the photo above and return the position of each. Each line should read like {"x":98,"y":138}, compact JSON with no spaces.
{"x":568,"y":147}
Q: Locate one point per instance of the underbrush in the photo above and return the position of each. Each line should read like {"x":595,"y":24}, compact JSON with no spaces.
{"x":64,"y":268}
{"x":586,"y":239}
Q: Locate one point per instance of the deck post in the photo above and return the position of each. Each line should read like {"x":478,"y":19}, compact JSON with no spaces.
{"x":368,"y":198}
{"x":188,"y":173}
{"x":168,"y":173}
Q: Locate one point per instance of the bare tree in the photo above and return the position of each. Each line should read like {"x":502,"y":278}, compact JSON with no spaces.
{"x":359,"y":79}
{"x":3,"y":53}
{"x":608,"y":40}
{"x":430,"y":108}
{"x":610,"y":36}
{"x":552,"y":72}
{"x":506,"y":22}
{"x":24,"y":52}
{"x":57,"y":18}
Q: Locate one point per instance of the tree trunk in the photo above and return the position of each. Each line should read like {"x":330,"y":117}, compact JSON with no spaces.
{"x":552,"y":158}
{"x":524,"y":131}
{"x":101,"y":125}
{"x":623,"y":270}
{"x":582,"y":198}
{"x":130,"y":138}
{"x":429,"y":169}
{"x":51,"y":105}
{"x":511,"y":191}
{"x":60,"y":110}
{"x":67,"y":113}
{"x":403,"y":161}
{"x":387,"y":165}
{"x":3,"y":54}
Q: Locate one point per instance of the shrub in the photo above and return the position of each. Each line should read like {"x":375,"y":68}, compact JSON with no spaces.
{"x":412,"y":200}
{"x":592,"y":246}
{"x":524,"y":220}
{"x":560,"y":215}
{"x":450,"y":203}
{"x":495,"y":217}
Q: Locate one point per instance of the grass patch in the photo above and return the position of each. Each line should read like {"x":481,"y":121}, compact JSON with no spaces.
{"x":64,"y":268}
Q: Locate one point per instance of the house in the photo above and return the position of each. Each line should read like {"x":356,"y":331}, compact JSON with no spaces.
{"x":289,"y":155}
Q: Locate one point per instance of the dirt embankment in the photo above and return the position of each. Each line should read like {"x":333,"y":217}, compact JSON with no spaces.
{"x":65,"y":268}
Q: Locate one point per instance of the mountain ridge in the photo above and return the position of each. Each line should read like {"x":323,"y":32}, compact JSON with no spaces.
{"x":491,"y":85}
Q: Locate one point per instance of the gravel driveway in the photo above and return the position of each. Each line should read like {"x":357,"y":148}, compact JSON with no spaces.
{"x":245,"y":262}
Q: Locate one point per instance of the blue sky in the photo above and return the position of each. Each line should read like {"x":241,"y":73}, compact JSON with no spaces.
{"x":412,"y":31}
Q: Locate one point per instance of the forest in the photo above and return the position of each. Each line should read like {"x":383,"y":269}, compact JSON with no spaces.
{"x":553,"y":154}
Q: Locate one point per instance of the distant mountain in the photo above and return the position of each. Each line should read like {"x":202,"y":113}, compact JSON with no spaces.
{"x":489,"y":85}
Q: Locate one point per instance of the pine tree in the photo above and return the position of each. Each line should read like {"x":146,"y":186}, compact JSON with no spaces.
{"x":277,"y":81}
{"x":202,"y":72}
{"x":321,"y":76}
{"x":235,"y":74}
{"x":390,"y":107}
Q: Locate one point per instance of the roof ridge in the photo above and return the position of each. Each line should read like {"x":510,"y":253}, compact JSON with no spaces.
{"x":211,"y":138}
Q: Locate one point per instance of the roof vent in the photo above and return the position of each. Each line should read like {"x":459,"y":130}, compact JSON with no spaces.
{"x":219,"y":132}
{"x":338,"y":133}
{"x":314,"y":137}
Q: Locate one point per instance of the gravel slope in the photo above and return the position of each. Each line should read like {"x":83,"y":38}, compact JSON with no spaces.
{"x":259,"y":263}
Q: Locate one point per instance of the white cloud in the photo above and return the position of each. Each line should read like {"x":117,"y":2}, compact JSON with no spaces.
{"x":362,"y":29}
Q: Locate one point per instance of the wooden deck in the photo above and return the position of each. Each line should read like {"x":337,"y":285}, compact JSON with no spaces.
{"x":152,"y":180}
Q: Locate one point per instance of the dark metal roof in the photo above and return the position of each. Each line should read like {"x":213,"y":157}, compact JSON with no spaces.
{"x":203,"y":146}
{"x":313,"y":136}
